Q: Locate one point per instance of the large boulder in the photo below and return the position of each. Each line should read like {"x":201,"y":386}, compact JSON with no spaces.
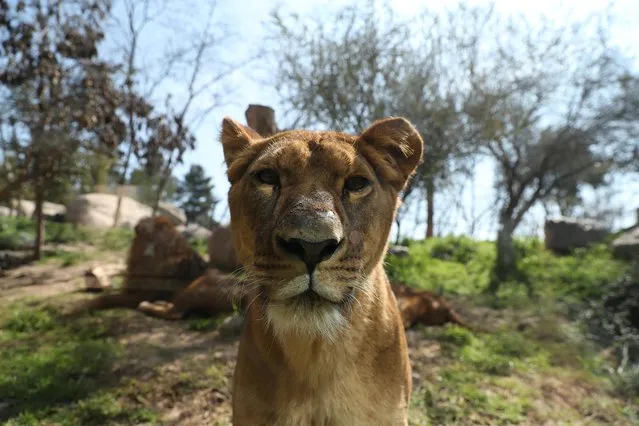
{"x":221,"y":249}
{"x":5,"y":211}
{"x":27,"y":208}
{"x":564,"y":234}
{"x":173,"y":212}
{"x":626,"y":246}
{"x":194,"y":231}
{"x":98,"y":210}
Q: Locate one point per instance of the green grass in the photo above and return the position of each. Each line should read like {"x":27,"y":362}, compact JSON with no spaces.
{"x":200,"y":245}
{"x":57,"y":370}
{"x":204,"y":324}
{"x":19,"y":232}
{"x":462,"y":266}
{"x":490,"y":378}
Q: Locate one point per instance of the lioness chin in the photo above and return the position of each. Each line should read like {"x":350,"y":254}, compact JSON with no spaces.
{"x":323,"y":343}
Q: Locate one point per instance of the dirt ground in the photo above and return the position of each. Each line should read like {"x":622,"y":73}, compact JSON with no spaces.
{"x":182,"y":370}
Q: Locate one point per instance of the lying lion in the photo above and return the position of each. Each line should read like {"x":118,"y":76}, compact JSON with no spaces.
{"x":323,"y":341}
{"x":167,"y":278}
{"x":423,"y":307}
{"x":161,"y":266}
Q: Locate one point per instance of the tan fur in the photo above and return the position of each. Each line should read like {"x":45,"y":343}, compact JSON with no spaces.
{"x":423,"y":307}
{"x":162,"y":266}
{"x":340,"y":359}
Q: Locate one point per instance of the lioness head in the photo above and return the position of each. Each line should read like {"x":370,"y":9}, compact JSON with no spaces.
{"x":311,"y":213}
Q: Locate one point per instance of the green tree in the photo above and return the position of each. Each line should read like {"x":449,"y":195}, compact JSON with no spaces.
{"x":367,"y":65}
{"x":61,"y":95}
{"x":148,"y":185}
{"x":196,"y":195}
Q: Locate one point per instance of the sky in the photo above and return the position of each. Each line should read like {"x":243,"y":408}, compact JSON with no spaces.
{"x":252,"y":86}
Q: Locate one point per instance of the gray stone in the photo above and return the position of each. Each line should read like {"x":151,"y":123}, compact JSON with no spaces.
{"x":564,"y":234}
{"x":194,"y":231}
{"x":173,"y":212}
{"x":399,"y":251}
{"x":98,"y":210}
{"x":626,"y":246}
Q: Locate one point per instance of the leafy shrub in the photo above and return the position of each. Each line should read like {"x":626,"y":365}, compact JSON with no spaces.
{"x":461,"y":265}
{"x":420,"y":269}
{"x":457,"y":249}
{"x":612,"y":318}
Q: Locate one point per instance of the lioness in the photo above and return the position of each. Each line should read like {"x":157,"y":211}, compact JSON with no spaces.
{"x":323,"y":341}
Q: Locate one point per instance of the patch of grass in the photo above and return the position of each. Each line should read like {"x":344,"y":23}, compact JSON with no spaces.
{"x":464,"y":396}
{"x":19,"y":232}
{"x":23,"y":320}
{"x":105,"y":408}
{"x":64,"y":257}
{"x":463,"y":266}
{"x":456,"y":249}
{"x":204,"y":324}
{"x":47,"y":361}
{"x":456,"y":335}
{"x":215,"y":376}
{"x":117,"y":239}
{"x":200,"y":245}
{"x":423,"y":270}
{"x":65,"y":233}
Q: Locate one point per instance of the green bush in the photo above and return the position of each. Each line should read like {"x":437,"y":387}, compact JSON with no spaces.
{"x":65,"y":233}
{"x":463,"y":266}
{"x":457,"y":249}
{"x":19,"y":232}
{"x":422,"y":270}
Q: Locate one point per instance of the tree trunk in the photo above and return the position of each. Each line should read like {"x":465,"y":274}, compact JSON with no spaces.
{"x":261,"y":119}
{"x":398,"y":222}
{"x":102,"y":170}
{"x":39,"y":235}
{"x":162,"y":185}
{"x":506,"y":262}
{"x":430,"y":207}
{"x":125,"y":168}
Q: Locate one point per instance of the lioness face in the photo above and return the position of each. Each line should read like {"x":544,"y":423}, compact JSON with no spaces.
{"x":311,"y":213}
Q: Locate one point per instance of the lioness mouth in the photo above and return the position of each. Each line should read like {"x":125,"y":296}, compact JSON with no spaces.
{"x":312,"y":298}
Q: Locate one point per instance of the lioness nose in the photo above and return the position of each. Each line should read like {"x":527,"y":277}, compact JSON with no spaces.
{"x":311,"y":253}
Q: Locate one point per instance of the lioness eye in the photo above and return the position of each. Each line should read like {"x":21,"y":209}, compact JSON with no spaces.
{"x":268,"y":177}
{"x":356,"y":183}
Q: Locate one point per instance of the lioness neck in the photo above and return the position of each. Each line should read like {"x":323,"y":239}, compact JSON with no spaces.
{"x":316,"y":359}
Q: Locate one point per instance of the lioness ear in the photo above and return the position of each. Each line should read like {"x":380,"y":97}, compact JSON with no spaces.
{"x":235,"y":138}
{"x":394,"y":147}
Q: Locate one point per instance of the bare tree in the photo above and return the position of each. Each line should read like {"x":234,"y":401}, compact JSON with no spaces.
{"x":200,"y":64}
{"x":363,"y":65}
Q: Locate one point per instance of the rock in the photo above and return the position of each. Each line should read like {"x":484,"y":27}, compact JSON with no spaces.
{"x":96,"y":279}
{"x":626,"y":246}
{"x":5,"y":211}
{"x":173,"y":212}
{"x":221,"y":250}
{"x":23,"y":207}
{"x":27,"y":208}
{"x":194,"y":231}
{"x":98,"y":210}
{"x":562,"y":235}
{"x":399,"y":251}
